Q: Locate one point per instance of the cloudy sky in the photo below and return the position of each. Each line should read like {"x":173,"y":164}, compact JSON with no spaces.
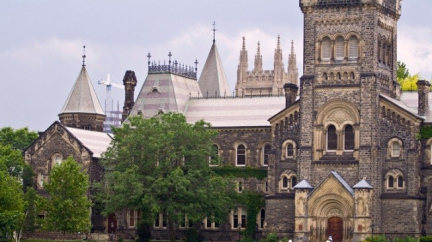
{"x":41,"y":44}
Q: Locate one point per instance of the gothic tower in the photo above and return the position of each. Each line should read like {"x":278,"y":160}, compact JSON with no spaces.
{"x":82,"y":109}
{"x":129,"y":81}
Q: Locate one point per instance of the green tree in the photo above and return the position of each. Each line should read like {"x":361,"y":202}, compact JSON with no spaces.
{"x":18,"y":139}
{"x":402,"y":71}
{"x":12,"y":204}
{"x":161,"y":165}
{"x":67,"y":206}
{"x":410,"y":83}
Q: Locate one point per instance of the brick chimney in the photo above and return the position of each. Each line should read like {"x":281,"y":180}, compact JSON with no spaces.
{"x":290,"y":93}
{"x":129,"y":81}
{"x":423,"y":87}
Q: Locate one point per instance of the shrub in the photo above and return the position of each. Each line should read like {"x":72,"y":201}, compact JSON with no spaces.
{"x":272,"y":237}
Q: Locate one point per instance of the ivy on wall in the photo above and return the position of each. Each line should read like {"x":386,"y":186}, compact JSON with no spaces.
{"x":426,"y":132}
{"x":243,"y":172}
{"x":253,"y":201}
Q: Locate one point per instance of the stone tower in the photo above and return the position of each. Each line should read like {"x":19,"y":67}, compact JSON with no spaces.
{"x":82,"y":109}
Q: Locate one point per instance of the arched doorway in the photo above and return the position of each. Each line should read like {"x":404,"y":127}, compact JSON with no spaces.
{"x":335,"y":228}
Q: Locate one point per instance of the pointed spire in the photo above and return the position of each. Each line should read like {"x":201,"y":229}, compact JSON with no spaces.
{"x":83,"y":56}
{"x":278,"y":42}
{"x":214,"y":31}
{"x":292,"y":66}
{"x":244,"y":44}
{"x":258,"y":60}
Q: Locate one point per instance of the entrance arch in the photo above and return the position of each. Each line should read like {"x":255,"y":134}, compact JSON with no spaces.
{"x":335,"y":228}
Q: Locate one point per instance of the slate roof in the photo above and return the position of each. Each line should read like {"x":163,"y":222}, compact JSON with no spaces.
{"x":96,"y":142}
{"x":343,"y":182}
{"x":410,"y":99}
{"x":362,"y":184}
{"x":213,"y":79}
{"x":234,"y":112}
{"x":303,"y":185}
{"x":82,"y":98}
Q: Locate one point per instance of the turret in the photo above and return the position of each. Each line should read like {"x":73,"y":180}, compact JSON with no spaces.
{"x":243,"y":63}
{"x":129,"y":81}
{"x":292,"y":66}
{"x":278,"y":63}
{"x":258,"y":60}
{"x":423,"y":88}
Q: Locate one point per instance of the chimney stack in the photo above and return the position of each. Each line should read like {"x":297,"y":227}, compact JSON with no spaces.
{"x":290,"y":93}
{"x":129,"y":81}
{"x":423,"y":87}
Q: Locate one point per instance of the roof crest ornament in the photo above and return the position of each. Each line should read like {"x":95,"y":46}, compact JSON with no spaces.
{"x":83,"y":56}
{"x":214,"y":31}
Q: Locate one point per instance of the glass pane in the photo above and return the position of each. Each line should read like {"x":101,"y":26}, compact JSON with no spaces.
{"x":284,"y":182}
{"x":349,"y":138}
{"x":400,"y":182}
{"x":339,"y":45}
{"x":290,"y":150}
{"x":331,"y":138}
{"x":326,"y":49}
{"x":353,"y":47}
{"x":390,"y":181}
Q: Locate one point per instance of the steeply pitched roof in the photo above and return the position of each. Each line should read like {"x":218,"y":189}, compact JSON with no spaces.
{"x":303,"y":185}
{"x":82,"y":98}
{"x":363,"y":184}
{"x":213,"y":79}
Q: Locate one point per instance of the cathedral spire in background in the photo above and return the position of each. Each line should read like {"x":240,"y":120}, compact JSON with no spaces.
{"x":292,"y":66}
{"x":258,"y":60}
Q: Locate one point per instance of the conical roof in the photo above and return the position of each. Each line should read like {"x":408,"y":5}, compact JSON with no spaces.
{"x":213,"y":79}
{"x":82,"y":98}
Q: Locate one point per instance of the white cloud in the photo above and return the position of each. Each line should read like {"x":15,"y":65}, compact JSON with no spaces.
{"x":415,"y":51}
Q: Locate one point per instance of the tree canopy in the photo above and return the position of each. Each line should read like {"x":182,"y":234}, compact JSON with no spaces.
{"x":18,"y":139}
{"x":161,"y":165}
{"x":406,"y":81}
{"x":67,"y":206}
{"x":11,"y":203}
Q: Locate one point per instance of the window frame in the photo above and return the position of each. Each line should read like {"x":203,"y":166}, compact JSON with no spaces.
{"x":241,"y":155}
{"x":326,"y":49}
{"x":345,"y":135}
{"x":339,"y":48}
{"x":328,"y":138}
{"x":266,"y":150}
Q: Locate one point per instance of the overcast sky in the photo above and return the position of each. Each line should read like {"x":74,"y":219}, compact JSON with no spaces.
{"x":41,"y":44}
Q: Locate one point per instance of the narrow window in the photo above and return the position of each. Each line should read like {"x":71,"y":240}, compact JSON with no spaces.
{"x":266,"y":154}
{"x":243,"y":218}
{"x":400,"y":182}
{"x":240,"y":186}
{"x":157,"y":221}
{"x":349,"y":138}
{"x":285,"y":182}
{"x":339,"y":47}
{"x":241,"y":155}
{"x":208,"y":222}
{"x":395,"y":149}
{"x":262,"y":219}
{"x":326,"y":48}
{"x":131,"y":218}
{"x":331,"y":138}
{"x":390,"y":182}
{"x":235,"y":219}
{"x":353,"y":48}
{"x":213,"y":156}
{"x":290,"y":150}
{"x":293,"y":181}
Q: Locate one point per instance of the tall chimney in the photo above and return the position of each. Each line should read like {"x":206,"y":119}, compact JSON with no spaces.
{"x":423,"y":87}
{"x":129,"y":81}
{"x":290,"y":93}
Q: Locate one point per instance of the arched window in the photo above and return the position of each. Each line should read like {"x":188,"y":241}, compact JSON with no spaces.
{"x":326,"y":48}
{"x":400,"y":182}
{"x":331,"y":138}
{"x":241,"y":155}
{"x":266,"y":154}
{"x":285,"y":183}
{"x":396,"y":149}
{"x":290,"y":150}
{"x":349,"y":138}
{"x":261,"y":219}
{"x":390,"y":182}
{"x":353,"y":48}
{"x":293,"y":181}
{"x":339,"y":48}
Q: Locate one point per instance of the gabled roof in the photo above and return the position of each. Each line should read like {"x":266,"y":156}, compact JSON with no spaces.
{"x":96,"y":142}
{"x":82,"y":98}
{"x":339,"y":179}
{"x":213,"y":79}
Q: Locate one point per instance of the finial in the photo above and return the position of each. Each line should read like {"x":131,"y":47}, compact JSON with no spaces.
{"x":169,"y":56}
{"x":292,"y":46}
{"x":259,"y":49}
{"x":278,"y":42}
{"x":83,"y":56}
{"x":244,"y":43}
{"x":148,"y":56}
{"x":214,"y":31}
{"x":196,"y":65}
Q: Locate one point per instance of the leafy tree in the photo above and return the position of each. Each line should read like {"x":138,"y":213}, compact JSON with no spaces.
{"x":402,"y":71}
{"x":18,"y":139}
{"x":161,"y":165}
{"x":410,"y":83}
{"x":11,"y":204}
{"x":67,"y":207}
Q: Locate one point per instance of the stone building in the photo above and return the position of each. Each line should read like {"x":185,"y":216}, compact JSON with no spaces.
{"x":259,"y":82}
{"x":344,"y":150}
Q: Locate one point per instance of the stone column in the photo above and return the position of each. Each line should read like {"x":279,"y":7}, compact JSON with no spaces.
{"x":423,"y":97}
